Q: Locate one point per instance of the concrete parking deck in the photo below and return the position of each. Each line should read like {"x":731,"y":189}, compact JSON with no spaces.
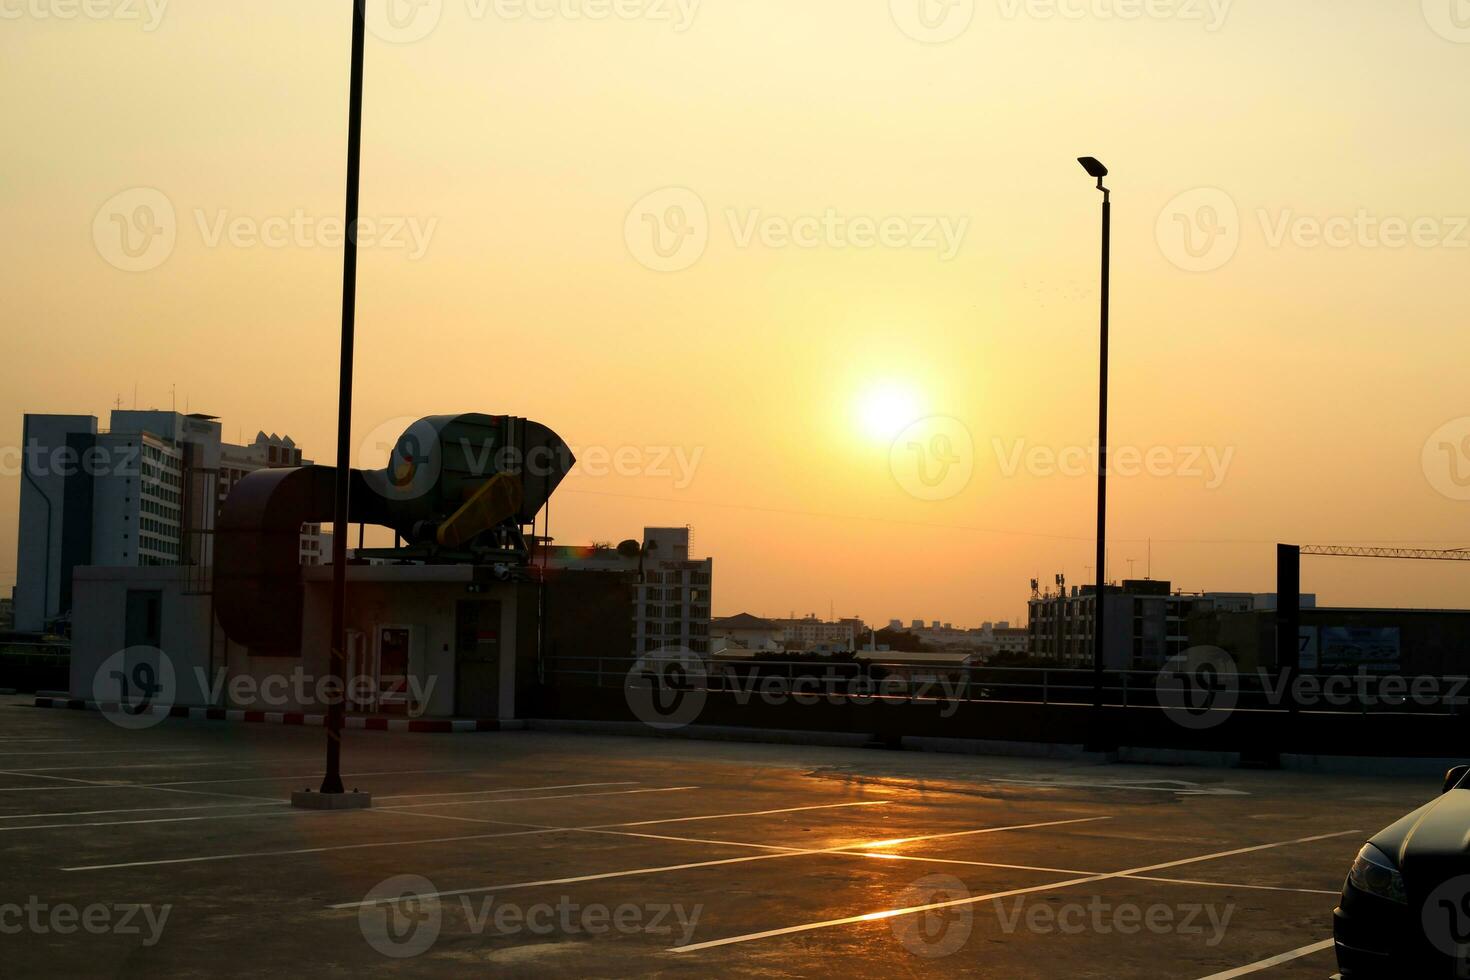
{"x":171,"y":851}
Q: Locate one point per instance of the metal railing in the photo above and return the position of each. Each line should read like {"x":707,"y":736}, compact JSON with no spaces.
{"x":1263,"y":690}
{"x":35,"y":652}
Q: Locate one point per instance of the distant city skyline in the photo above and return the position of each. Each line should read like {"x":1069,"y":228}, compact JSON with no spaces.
{"x":854,"y":347}
{"x":1391,"y":581}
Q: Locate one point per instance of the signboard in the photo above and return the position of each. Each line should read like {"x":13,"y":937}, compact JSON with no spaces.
{"x":1307,"y":658}
{"x":1351,"y":647}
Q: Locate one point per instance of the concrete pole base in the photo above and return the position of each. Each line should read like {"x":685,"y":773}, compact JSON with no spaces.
{"x":305,"y":799}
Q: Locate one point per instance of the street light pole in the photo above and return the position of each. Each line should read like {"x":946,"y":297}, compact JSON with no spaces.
{"x":1095,"y":168}
{"x":332,"y":781}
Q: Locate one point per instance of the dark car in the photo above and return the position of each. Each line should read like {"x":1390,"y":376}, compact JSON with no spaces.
{"x":1405,"y":908}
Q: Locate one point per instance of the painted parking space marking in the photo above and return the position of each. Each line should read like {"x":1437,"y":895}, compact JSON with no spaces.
{"x":9,"y":755}
{"x":533,"y":799}
{"x":158,"y":765}
{"x":301,"y":850}
{"x":295,"y":812}
{"x":531,"y":829}
{"x":747,"y":813}
{"x":638,"y":872}
{"x":974,"y":899}
{"x":1179,"y":787}
{"x":312,"y":776}
{"x":140,"y":809}
{"x":516,"y":789}
{"x":1295,"y":954}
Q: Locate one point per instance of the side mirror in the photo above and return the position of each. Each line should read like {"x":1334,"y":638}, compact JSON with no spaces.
{"x":1454,"y":777}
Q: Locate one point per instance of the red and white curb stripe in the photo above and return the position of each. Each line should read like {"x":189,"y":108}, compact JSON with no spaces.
{"x":429,"y":725}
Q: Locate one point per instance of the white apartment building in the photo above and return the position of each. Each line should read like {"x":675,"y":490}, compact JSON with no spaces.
{"x":670,"y":590}
{"x":144,"y":492}
{"x":130,"y":495}
{"x":142,"y":521}
{"x":1147,"y":621}
{"x":810,"y":632}
{"x":673,"y":602}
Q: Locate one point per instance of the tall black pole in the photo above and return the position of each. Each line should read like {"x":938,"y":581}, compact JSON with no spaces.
{"x":1289,"y":618}
{"x":332,"y":781}
{"x":1099,"y":633}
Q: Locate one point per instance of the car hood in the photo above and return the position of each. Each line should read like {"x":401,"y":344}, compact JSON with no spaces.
{"x":1437,"y":833}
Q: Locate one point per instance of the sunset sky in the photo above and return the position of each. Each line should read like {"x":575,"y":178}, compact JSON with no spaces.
{"x":750,"y":244}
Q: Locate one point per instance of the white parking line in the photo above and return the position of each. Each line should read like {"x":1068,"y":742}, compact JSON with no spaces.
{"x":7,"y":755}
{"x":1257,"y":967}
{"x":936,"y":860}
{"x":532,"y":829}
{"x":606,"y":828}
{"x":518,"y":800}
{"x":159,"y":765}
{"x":200,"y":792}
{"x":74,"y":783}
{"x":1235,"y":884}
{"x":299,"y":850}
{"x":1053,"y":886}
{"x":636,"y":872}
{"x":283,"y":813}
{"x":748,"y":813}
{"x":1178,"y":787}
{"x":225,"y":806}
{"x":312,"y":776}
{"x":128,"y":823}
{"x":137,"y":809}
{"x":57,"y":779}
{"x":518,"y":789}
{"x":531,"y":799}
{"x":54,"y":789}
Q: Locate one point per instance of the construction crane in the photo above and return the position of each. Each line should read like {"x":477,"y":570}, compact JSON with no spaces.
{"x":1423,"y":554}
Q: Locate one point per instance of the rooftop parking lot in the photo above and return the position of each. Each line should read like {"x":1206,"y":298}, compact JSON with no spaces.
{"x":173,"y":849}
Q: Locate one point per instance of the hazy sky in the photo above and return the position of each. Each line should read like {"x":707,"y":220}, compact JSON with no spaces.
{"x":733,"y":249}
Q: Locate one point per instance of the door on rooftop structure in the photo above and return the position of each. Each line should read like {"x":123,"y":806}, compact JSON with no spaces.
{"x":141,"y":678}
{"x":394,"y":661}
{"x":143,"y":618}
{"x":477,"y":659}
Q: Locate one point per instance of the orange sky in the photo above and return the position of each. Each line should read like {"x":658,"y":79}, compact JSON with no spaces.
{"x":865,"y":217}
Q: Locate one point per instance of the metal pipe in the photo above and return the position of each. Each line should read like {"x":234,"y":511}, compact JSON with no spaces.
{"x":332,"y":781}
{"x":1099,"y":620}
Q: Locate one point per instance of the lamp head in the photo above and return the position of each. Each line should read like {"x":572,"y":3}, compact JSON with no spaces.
{"x":1093,"y":166}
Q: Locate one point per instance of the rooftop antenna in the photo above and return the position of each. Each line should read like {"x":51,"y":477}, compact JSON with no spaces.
{"x":1150,"y":574}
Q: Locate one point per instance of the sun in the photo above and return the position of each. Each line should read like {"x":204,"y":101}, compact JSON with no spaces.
{"x":884,"y":410}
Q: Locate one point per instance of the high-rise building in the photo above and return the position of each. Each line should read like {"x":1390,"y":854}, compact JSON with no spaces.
{"x":134,"y":494}
{"x":670,"y":590}
{"x":673,"y":603}
{"x":1147,"y":623}
{"x":145,"y":491}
